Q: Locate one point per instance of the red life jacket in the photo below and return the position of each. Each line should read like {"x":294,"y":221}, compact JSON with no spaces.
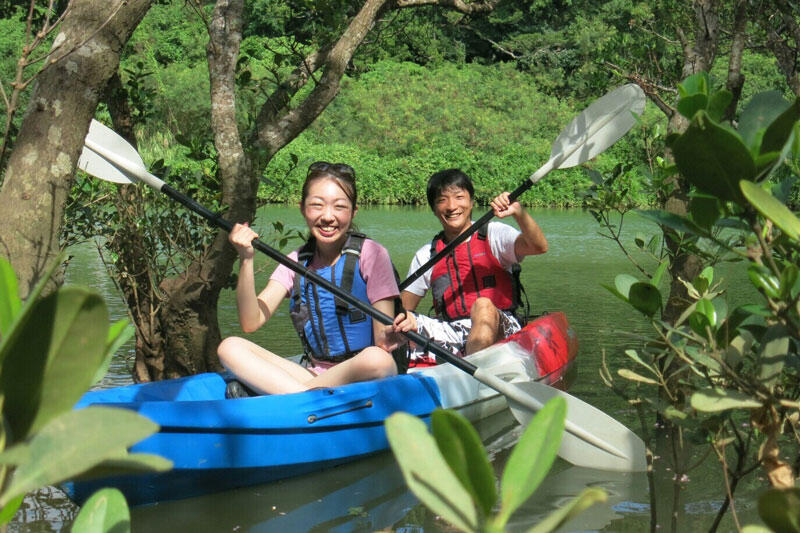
{"x":467,"y":273}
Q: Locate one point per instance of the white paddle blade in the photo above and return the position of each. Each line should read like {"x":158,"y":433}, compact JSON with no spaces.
{"x":93,"y":163}
{"x":591,"y":438}
{"x":599,"y":126}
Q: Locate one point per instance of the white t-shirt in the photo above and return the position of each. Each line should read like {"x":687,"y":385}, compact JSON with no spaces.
{"x":501,"y":242}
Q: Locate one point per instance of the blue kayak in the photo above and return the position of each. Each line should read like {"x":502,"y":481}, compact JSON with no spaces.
{"x":217,"y":444}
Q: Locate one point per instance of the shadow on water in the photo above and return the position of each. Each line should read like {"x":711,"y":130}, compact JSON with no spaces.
{"x":370,"y":495}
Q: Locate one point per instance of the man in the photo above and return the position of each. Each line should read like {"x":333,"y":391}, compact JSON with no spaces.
{"x":473,"y":290}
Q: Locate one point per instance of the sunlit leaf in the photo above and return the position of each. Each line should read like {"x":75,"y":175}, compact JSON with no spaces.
{"x":426,"y":472}
{"x":780,"y":509}
{"x":10,"y":509}
{"x":659,"y":273}
{"x":771,"y":208}
{"x":633,"y":376}
{"x":762,"y":278}
{"x":704,"y":316}
{"x":623,"y":284}
{"x":72,"y":443}
{"x":463,"y":450}
{"x":634,"y":355}
{"x":565,"y":513}
{"x":774,"y":349}
{"x":118,"y":334}
{"x":739,"y":346}
{"x":716,"y":400}
{"x":532,"y":457}
{"x":10,"y":304}
{"x":105,"y":511}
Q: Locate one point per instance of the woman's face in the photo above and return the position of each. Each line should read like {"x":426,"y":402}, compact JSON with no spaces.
{"x":328,"y":211}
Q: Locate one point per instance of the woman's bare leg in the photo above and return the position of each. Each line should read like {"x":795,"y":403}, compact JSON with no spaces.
{"x":369,"y":363}
{"x":261,"y":369}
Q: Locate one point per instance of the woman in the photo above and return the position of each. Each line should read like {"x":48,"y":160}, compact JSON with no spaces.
{"x":342,"y":344}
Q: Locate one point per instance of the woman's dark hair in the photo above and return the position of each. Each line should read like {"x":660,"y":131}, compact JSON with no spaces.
{"x":444,"y":179}
{"x":342,"y":174}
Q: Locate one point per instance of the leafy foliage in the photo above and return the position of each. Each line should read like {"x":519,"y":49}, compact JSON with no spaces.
{"x":450,"y":473}
{"x":718,"y":367}
{"x":51,"y":349}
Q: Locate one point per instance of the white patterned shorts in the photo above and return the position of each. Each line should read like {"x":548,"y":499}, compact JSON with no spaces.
{"x":452,"y":336}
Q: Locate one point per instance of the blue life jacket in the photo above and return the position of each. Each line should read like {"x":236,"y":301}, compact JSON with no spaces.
{"x":330,"y":329}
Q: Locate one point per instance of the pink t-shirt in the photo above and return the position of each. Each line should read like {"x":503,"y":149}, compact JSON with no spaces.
{"x":374,"y":265}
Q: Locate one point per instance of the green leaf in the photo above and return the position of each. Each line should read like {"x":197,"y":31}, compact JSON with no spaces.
{"x":10,"y":304}
{"x":24,"y":312}
{"x":738,"y":347}
{"x":51,"y":361}
{"x":532,"y":457}
{"x":633,"y":376}
{"x":780,"y":509}
{"x":718,"y":103}
{"x":71,"y":444}
{"x":426,"y":472}
{"x":105,"y":510}
{"x":690,"y":105}
{"x":623,"y":284}
{"x":762,"y":278}
{"x":774,"y":349}
{"x":779,"y":131}
{"x":704,"y":316}
{"x":634,"y":355}
{"x":705,"y":210}
{"x":713,"y":158}
{"x":659,"y":273}
{"x":695,"y":84}
{"x":118,"y":334}
{"x":10,"y":509}
{"x":124,"y":463}
{"x":760,"y":112}
{"x":645,"y":297}
{"x":716,"y":400}
{"x":463,"y":450}
{"x":564,"y":514}
{"x":771,"y":208}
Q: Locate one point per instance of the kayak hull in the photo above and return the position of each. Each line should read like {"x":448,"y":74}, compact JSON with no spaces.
{"x":217,"y":444}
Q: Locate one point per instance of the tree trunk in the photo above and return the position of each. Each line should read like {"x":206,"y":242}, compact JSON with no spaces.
{"x":41,"y":167}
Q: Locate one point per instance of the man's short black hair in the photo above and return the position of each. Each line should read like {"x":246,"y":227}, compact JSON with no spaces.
{"x":452,"y":177}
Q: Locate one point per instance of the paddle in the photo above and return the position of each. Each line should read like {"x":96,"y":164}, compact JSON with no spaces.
{"x":599,"y":126}
{"x":108,"y":156}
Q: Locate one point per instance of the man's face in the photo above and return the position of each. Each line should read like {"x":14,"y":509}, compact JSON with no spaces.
{"x":453,"y":208}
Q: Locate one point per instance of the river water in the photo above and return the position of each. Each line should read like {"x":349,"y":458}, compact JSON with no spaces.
{"x":370,"y":495}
